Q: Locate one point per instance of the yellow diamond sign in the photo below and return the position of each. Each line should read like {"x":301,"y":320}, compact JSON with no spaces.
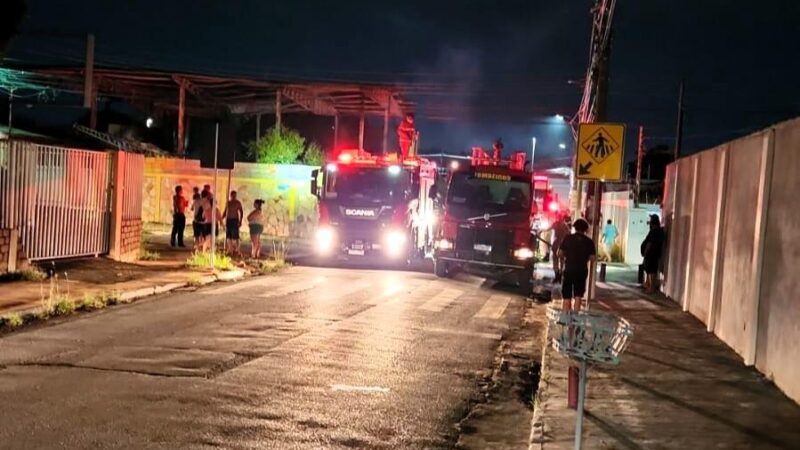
{"x":600,"y":151}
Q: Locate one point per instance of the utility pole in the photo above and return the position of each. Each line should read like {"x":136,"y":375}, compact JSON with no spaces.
{"x":278,"y":112}
{"x":89,"y":99}
{"x":639,"y":157}
{"x":679,"y":126}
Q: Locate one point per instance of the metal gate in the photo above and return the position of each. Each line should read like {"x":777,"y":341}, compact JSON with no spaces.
{"x":59,"y":199}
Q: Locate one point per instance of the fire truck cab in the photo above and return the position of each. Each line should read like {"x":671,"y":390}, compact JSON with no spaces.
{"x":486,"y":225}
{"x":374,"y":207}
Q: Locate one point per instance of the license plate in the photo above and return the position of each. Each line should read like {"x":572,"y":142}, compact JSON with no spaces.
{"x":482,"y":248}
{"x":354,"y":252}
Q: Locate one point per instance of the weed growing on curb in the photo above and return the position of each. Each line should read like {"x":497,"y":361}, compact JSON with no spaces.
{"x":13,"y":320}
{"x":91,"y":302}
{"x":63,"y":307}
{"x":202,"y":260}
{"x":194,"y":281}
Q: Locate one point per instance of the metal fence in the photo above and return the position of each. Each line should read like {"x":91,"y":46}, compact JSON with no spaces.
{"x":59,"y":199}
{"x":131,"y":185}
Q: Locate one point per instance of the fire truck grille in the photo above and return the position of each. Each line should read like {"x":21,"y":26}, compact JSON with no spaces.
{"x":484,"y":245}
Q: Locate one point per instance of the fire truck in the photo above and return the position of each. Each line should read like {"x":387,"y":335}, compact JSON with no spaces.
{"x":486,"y":224}
{"x":374,"y":207}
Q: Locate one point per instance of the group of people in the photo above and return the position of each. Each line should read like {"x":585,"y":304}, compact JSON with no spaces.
{"x":575,"y":251}
{"x":207,"y":218}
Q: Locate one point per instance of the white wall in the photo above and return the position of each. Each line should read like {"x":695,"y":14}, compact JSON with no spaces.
{"x":733,"y":222}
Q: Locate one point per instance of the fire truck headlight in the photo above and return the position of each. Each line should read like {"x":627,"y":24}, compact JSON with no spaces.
{"x":523,"y":253}
{"x":394,"y":242}
{"x":444,"y":244}
{"x":325,"y":238}
{"x":394,"y":170}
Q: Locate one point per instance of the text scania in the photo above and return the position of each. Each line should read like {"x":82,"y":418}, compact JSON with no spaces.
{"x":360,"y":212}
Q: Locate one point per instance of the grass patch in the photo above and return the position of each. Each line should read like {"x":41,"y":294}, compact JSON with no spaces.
{"x":148,"y":255}
{"x":202,"y":260}
{"x":269,"y":266}
{"x":13,"y":320}
{"x":63,"y":307}
{"x":195,"y":282}
{"x":112,"y":298}
{"x":91,"y":302}
{"x":29,"y":274}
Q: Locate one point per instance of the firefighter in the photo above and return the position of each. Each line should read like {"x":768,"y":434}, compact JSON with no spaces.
{"x":406,"y":134}
{"x":497,"y":150}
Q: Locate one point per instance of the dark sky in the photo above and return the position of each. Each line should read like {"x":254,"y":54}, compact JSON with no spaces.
{"x":503,"y":67}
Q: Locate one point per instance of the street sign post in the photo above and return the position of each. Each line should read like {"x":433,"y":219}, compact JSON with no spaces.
{"x":600,"y":151}
{"x":600,"y":154}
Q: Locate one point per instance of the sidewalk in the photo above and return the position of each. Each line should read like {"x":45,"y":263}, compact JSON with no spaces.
{"x":95,"y":276}
{"x":677,"y":386}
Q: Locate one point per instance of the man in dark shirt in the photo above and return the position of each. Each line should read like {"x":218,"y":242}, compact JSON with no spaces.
{"x":652,"y":247}
{"x":576,"y":251}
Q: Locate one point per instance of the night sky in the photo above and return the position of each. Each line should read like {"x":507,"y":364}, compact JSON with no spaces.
{"x":503,"y":68}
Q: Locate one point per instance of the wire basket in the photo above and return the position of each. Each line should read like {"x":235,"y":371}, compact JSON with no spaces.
{"x":589,"y":336}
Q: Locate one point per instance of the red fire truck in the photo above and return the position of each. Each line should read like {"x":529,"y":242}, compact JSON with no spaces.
{"x":374,"y":207}
{"x":486,"y":225}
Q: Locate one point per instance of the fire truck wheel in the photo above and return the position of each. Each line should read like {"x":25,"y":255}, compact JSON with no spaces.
{"x":440,"y":269}
{"x":525,"y":282}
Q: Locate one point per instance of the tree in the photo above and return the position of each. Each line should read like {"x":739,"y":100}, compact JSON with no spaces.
{"x":284,"y":146}
{"x":314,"y":156}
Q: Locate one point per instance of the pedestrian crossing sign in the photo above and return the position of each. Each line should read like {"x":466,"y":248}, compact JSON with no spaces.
{"x":600,"y":152}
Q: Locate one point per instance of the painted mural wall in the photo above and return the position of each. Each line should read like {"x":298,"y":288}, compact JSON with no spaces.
{"x":290,"y":209}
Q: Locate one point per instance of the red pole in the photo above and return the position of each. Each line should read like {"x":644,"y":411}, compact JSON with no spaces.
{"x":572,"y":372}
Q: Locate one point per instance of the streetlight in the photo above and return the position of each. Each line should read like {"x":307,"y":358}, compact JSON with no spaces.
{"x":559,"y":117}
{"x":562,"y":146}
{"x":149,"y":122}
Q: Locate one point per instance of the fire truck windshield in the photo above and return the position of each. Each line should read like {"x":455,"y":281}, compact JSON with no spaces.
{"x":367,"y":185}
{"x":473,"y":193}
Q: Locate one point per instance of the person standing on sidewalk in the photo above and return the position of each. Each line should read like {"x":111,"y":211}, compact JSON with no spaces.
{"x":255,"y":220}
{"x":576,"y":251}
{"x":652,"y":248}
{"x":561,"y":230}
{"x":233,"y":221}
{"x":179,"y":205}
{"x":197,"y":218}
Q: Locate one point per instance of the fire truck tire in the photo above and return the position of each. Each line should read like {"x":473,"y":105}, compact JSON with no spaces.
{"x":441,"y":269}
{"x":525,"y":282}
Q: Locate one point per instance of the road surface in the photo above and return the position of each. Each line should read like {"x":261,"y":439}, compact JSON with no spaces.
{"x":309,"y":358}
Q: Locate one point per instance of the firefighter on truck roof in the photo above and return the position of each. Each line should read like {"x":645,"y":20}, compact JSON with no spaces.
{"x":406,"y":133}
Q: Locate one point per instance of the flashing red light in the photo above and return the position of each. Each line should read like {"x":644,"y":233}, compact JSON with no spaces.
{"x":345,"y":157}
{"x":553,"y":207}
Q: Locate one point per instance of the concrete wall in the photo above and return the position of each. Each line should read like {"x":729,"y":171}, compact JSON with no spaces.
{"x":698,"y":288}
{"x":778,"y":337}
{"x":737,"y":280}
{"x":733,"y":226}
{"x":290,"y":208}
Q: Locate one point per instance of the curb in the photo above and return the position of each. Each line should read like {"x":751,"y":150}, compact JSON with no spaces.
{"x":135,"y":294}
{"x":538,"y":428}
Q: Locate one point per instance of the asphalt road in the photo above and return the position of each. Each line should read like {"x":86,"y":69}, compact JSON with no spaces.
{"x":310,"y":358}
